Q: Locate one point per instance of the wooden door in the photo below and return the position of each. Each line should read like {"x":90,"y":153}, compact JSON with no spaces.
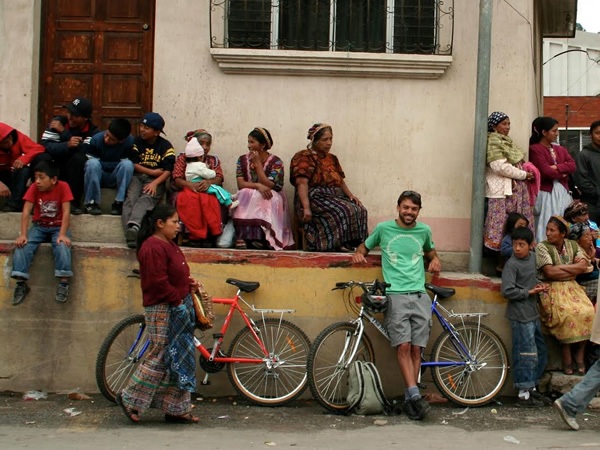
{"x":99,"y":49}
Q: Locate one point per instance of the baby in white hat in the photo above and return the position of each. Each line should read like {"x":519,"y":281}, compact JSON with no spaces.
{"x":197,"y":170}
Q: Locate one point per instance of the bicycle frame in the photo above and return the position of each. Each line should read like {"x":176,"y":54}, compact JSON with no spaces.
{"x":435,"y":311}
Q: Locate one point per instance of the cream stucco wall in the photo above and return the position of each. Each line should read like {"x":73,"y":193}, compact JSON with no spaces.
{"x":19,"y":71}
{"x":391,"y":134}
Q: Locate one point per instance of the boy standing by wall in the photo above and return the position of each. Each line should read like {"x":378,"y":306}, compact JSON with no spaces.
{"x":50,"y":201}
{"x":153,"y":165}
{"x":520,"y":287}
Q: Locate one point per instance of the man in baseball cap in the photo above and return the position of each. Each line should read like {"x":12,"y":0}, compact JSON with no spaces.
{"x":154,"y":120}
{"x":80,"y":107}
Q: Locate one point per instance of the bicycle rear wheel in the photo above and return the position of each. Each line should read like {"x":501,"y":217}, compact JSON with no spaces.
{"x":281,"y":377}
{"x":328,"y":362}
{"x":481,"y":379}
{"x":120,"y":354}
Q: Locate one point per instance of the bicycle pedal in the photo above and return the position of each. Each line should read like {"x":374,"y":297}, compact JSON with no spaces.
{"x":205,"y":383}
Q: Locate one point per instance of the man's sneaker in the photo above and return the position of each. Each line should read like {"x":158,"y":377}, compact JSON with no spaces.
{"x":131,"y":236}
{"x":76,"y":209}
{"x":21,"y":291}
{"x":93,"y":209}
{"x":62,"y":293}
{"x":417,"y":408}
{"x":531,"y":402}
{"x":539,"y":396}
{"x":569,"y":420}
{"x":117,"y":208}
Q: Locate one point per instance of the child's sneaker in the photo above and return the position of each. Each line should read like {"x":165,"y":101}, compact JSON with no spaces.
{"x":131,"y":236}
{"x":21,"y":291}
{"x":530,"y":402}
{"x":62,"y":293}
{"x":93,"y":209}
{"x":116,"y":209}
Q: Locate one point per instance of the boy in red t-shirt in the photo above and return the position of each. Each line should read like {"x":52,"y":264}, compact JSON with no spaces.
{"x":49,"y":199}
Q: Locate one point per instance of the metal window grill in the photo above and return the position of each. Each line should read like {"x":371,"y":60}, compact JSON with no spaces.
{"x":377,"y":26}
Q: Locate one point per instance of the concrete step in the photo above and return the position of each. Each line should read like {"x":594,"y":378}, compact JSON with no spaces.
{"x":104,"y":229}
{"x":559,"y":382}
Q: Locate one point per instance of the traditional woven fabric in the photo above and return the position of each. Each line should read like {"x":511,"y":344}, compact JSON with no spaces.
{"x":549,"y":204}
{"x":150,"y":386}
{"x":500,"y":146}
{"x":498,"y":210}
{"x":565,"y":309}
{"x":336,"y":220}
{"x":180,"y":357}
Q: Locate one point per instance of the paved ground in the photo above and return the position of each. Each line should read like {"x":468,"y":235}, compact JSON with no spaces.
{"x":230,"y":423}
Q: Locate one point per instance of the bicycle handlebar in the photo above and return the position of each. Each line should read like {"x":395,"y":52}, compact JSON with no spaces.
{"x":373,"y":285}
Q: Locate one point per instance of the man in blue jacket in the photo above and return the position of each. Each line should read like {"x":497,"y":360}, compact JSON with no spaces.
{"x":110,"y":164}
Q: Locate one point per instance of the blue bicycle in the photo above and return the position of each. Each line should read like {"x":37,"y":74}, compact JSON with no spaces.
{"x":468,"y":361}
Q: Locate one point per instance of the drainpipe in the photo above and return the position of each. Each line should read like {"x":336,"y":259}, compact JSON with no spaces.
{"x":482,"y":97}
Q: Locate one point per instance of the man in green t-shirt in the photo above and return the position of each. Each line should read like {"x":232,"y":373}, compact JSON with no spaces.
{"x":404,"y":242}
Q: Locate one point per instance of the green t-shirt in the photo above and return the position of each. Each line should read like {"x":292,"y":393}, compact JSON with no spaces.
{"x":402,"y":254}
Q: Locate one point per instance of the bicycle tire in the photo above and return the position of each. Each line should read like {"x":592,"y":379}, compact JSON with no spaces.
{"x":474,"y":384}
{"x":264,"y":385}
{"x":328,"y":363}
{"x":119,"y":355}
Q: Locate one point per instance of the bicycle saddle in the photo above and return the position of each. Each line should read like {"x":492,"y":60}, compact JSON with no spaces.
{"x":246,"y":286}
{"x":440,"y":291}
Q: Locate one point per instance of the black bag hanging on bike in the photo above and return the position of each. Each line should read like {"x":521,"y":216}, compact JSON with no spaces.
{"x":365,"y":391}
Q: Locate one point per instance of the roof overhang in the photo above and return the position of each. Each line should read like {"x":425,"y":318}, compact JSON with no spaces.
{"x":558,"y":18}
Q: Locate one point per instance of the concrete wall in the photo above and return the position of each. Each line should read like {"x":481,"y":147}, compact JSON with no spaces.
{"x":391,"y":134}
{"x":51,"y":346}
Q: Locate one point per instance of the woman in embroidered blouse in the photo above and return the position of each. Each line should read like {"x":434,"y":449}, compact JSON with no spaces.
{"x":201,"y":213}
{"x":565,"y":308}
{"x":555,"y":165}
{"x":261,"y":218}
{"x":505,"y":180}
{"x":332,"y":217}
{"x":167,"y":376}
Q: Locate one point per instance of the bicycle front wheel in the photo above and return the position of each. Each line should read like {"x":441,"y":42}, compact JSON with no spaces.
{"x":480,"y":379}
{"x":281,"y":377}
{"x":120,"y":354}
{"x":328,"y":362}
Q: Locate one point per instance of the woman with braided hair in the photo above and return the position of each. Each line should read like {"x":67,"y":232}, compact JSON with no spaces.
{"x":261,"y":219}
{"x":332,"y":217}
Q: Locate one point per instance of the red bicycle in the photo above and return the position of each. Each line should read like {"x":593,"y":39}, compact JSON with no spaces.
{"x":266,"y":361}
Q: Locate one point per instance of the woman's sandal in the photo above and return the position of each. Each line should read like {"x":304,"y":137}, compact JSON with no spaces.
{"x":184,"y":418}
{"x":580,"y":368}
{"x":568,"y":369}
{"x":131,"y":414}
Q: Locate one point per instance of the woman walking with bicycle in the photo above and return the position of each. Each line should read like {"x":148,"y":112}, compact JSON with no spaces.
{"x":166,"y":377}
{"x":408,"y":316}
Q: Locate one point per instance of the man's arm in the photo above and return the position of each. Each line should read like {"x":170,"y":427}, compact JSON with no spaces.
{"x":435,"y":266}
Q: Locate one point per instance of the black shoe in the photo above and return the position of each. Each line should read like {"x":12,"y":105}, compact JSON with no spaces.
{"x":116,"y":209}
{"x":421,"y":407}
{"x":93,"y":209}
{"x":10,"y":208}
{"x":531,"y":402}
{"x":21,"y":291}
{"x":76,"y":210}
{"x":539,"y":396}
{"x":131,"y":236}
{"x":410,"y":411}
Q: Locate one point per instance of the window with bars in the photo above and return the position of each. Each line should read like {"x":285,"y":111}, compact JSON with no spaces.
{"x":375,"y":26}
{"x":574,"y":140}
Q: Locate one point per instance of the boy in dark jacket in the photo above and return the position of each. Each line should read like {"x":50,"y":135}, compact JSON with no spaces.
{"x":64,"y":141}
{"x":110,"y":164}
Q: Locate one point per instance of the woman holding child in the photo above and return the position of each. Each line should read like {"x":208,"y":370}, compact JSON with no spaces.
{"x":565,"y":308}
{"x":332,"y":217}
{"x":261,"y":219}
{"x":506,"y":180}
{"x":199,"y":211}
